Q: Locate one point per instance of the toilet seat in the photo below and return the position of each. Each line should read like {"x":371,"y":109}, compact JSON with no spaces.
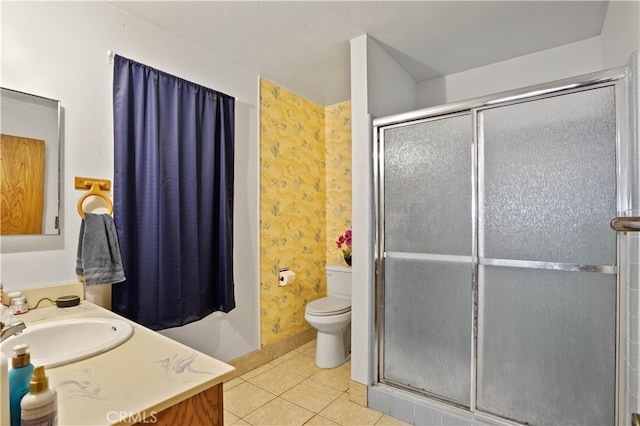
{"x":329,"y":305}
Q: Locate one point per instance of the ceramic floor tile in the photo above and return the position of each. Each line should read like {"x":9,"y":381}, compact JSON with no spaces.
{"x":230,"y":418}
{"x":277,"y":380}
{"x":313,"y":396}
{"x":284,"y":358}
{"x":255,"y":372}
{"x":345,"y":412}
{"x":244,"y":398}
{"x":232,"y":384}
{"x":338,"y":378}
{"x":307,"y":347}
{"x":311,"y":351}
{"x":292,"y":390}
{"x":279,"y":412}
{"x":302,"y":365}
{"x":357,"y":393}
{"x":320,"y":421}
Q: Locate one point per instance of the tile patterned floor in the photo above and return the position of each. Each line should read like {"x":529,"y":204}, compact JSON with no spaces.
{"x":291,"y":390}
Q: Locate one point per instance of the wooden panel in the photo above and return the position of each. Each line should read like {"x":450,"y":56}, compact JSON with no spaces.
{"x":202,"y":409}
{"x":80,"y":182}
{"x":22,"y":187}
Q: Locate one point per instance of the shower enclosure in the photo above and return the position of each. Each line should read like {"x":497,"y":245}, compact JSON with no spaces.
{"x":499,"y":278}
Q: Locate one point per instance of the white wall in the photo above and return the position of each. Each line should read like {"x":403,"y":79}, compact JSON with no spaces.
{"x":577,"y":58}
{"x":391,"y":89}
{"x":59,"y":50}
{"x":620,"y":33}
{"x":362,"y":222}
{"x":379,"y":86}
{"x":620,"y":37}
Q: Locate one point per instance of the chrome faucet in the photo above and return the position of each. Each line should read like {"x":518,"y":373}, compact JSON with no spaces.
{"x":8,"y":330}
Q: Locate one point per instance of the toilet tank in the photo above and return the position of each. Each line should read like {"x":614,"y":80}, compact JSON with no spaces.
{"x":338,"y":281}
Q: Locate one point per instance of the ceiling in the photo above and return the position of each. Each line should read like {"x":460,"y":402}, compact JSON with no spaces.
{"x":303,"y":46}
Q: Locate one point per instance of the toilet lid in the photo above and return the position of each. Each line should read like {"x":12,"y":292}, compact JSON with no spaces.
{"x":329,"y":305}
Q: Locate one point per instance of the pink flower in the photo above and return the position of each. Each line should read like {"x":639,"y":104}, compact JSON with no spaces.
{"x":345,"y":240}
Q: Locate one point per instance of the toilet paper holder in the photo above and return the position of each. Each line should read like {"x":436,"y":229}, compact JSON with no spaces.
{"x":285,"y":276}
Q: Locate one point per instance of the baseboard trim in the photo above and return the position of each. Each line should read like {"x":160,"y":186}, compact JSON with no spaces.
{"x":270,"y":352}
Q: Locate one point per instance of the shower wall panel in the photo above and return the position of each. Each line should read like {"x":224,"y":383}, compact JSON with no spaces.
{"x":499,"y":268}
{"x":427,"y":187}
{"x":548,"y":179}
{"x":547,"y":189}
{"x":547,"y":346}
{"x":428,"y":270}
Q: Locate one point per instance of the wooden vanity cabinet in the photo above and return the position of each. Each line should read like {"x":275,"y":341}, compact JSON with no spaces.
{"x":203,"y":409}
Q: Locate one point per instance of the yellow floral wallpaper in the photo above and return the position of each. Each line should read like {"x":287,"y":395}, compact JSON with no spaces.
{"x":293,"y":203}
{"x":338,"y":158}
{"x":292,"y":209}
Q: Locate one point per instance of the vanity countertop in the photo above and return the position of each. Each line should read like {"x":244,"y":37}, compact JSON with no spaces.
{"x":146,"y":374}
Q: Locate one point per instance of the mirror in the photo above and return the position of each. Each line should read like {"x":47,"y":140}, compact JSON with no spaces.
{"x":30,"y":146}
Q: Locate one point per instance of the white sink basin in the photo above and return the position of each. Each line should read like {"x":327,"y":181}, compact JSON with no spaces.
{"x":60,"y":342}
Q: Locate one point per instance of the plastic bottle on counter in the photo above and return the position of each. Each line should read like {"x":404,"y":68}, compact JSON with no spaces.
{"x":19,"y":377}
{"x":18,"y":303}
{"x":40,"y":406}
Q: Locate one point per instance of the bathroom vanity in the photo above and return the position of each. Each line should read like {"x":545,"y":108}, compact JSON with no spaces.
{"x":148,"y":379}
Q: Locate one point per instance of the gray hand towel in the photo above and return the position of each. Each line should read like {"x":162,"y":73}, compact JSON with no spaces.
{"x":99,"y":260}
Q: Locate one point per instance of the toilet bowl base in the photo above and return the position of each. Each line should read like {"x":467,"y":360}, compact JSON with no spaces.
{"x":330,"y":351}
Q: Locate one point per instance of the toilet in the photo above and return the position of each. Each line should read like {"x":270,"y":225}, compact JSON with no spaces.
{"x":331,"y":316}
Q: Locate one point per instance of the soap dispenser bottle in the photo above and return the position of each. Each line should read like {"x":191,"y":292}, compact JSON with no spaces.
{"x":40,"y":406}
{"x":19,"y":377}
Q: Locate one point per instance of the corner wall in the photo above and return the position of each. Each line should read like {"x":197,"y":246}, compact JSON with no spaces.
{"x":378,"y":86}
{"x":619,"y":38}
{"x":59,"y":50}
{"x":305,"y":203}
{"x":292,"y":209}
{"x":577,"y":58}
{"x":338,"y":167}
{"x":620,"y":33}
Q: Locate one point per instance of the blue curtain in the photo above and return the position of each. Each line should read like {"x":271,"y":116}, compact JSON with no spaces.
{"x":173,"y":208}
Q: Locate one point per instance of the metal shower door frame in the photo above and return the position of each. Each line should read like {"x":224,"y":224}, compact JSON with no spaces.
{"x":628,"y":202}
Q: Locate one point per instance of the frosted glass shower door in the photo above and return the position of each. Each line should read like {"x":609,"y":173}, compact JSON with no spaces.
{"x":428,"y":264}
{"x":547,"y":274}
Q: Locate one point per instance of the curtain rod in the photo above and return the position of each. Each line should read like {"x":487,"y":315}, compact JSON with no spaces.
{"x":110,"y":56}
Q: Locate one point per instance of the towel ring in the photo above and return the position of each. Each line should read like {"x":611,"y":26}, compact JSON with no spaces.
{"x":95,"y":190}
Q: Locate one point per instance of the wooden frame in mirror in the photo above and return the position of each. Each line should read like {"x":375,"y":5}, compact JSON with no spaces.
{"x":30,"y":147}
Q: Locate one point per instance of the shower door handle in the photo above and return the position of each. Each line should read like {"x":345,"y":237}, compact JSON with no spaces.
{"x":626,"y":224}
